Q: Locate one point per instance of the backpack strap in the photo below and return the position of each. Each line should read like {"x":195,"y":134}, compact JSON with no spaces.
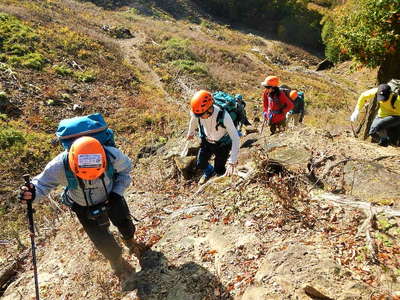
{"x":220,"y":122}
{"x":201,"y":130}
{"x":71,"y":178}
{"x":220,"y":119}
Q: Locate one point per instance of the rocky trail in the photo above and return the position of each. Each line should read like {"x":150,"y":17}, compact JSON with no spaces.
{"x":272,"y":234}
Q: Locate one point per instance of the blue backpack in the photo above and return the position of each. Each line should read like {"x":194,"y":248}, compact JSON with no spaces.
{"x":234,"y":105}
{"x":91,"y":125}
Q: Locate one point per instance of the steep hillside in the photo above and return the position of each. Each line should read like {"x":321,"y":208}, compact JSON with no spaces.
{"x":296,"y":220}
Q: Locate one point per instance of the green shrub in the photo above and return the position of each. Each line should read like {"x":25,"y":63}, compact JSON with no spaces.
{"x":10,"y":137}
{"x":85,"y":76}
{"x":3,"y":96}
{"x":74,"y":43}
{"x":19,"y":43}
{"x":63,"y":70}
{"x":190,"y":66}
{"x":363,"y":30}
{"x":175,"y":49}
{"x":22,"y":146}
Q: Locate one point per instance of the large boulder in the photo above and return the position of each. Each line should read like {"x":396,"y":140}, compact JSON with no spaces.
{"x":372,"y":182}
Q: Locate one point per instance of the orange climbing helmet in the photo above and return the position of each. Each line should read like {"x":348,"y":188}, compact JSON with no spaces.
{"x":293,"y":94}
{"x":270,"y":81}
{"x":87,"y":158}
{"x":201,"y":102}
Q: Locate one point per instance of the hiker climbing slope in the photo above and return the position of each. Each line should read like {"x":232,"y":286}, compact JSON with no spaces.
{"x":218,"y":134}
{"x":296,"y":115}
{"x":95,"y":177}
{"x":276,"y":104}
{"x":388,"y":117}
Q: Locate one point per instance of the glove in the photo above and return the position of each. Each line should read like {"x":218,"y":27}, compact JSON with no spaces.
{"x":27,"y":193}
{"x":230,"y":169}
{"x":354,"y":115}
{"x":265,"y":115}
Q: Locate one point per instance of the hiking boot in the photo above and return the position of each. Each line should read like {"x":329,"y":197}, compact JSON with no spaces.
{"x":205,"y":178}
{"x":121,"y":267}
{"x":135,"y":248}
{"x":384,"y":142}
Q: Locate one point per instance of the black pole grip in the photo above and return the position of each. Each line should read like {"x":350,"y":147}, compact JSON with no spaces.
{"x":30,"y":186}
{"x":27,"y":179}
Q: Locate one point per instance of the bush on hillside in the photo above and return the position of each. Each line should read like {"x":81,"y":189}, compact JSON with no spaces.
{"x":62,"y":70}
{"x":190,"y":66}
{"x":175,"y":49}
{"x":19,"y":43}
{"x":366,"y":31}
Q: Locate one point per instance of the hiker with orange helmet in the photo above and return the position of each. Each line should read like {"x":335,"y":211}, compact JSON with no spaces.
{"x":218,"y":134}
{"x":96,"y":198}
{"x":276,"y":104}
{"x":295,"y":116}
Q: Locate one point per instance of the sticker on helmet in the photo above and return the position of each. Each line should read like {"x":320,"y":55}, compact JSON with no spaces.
{"x":89,"y":160}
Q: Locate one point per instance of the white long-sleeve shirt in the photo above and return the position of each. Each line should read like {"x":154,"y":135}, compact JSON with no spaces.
{"x":209,"y":125}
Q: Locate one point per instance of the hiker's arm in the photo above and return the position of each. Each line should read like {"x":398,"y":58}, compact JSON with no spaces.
{"x":233,"y":134}
{"x":192,"y":126}
{"x":122,"y":166}
{"x":365,"y":97}
{"x":52,"y":176}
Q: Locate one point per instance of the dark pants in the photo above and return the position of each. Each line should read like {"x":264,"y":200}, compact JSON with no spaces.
{"x":274,"y":126}
{"x":100,"y":235}
{"x":221,"y":152}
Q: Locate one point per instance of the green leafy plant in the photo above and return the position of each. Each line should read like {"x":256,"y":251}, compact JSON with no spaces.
{"x":175,"y":49}
{"x":3,"y":96}
{"x":62,"y":70}
{"x":19,"y":43}
{"x":190,"y":66}
{"x":85,"y":76}
{"x":10,"y":137}
{"x":364,"y":30}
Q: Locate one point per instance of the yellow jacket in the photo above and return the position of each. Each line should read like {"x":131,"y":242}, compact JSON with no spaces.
{"x":385,"y":107}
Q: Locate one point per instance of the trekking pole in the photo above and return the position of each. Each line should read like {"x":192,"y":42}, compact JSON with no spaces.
{"x":262,"y":127}
{"x":30,"y":212}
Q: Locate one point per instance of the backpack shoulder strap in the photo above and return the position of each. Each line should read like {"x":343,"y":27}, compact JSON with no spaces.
{"x":220,"y":119}
{"x":201,"y":129}
{"x":110,"y":171}
{"x":71,"y":178}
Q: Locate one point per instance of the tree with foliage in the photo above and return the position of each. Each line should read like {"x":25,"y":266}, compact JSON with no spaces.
{"x":367,"y":31}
